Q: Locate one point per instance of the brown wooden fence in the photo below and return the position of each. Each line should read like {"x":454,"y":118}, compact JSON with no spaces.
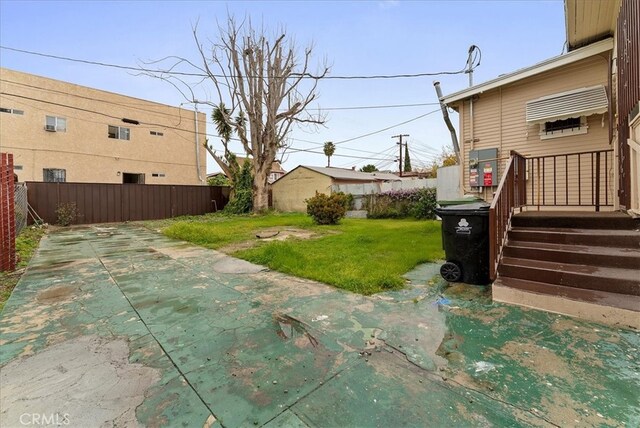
{"x":107,"y":203}
{"x":7,"y":214}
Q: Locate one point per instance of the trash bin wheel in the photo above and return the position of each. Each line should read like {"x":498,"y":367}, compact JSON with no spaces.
{"x":451,"y":272}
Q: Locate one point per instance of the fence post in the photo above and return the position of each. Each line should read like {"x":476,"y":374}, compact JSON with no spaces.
{"x":7,"y":214}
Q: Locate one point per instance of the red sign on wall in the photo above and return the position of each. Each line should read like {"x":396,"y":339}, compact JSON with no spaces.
{"x":488,"y":175}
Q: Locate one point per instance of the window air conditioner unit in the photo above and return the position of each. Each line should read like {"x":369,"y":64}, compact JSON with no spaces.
{"x":50,"y":128}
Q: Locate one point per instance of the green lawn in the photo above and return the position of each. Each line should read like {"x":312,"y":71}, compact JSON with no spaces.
{"x":26,"y":244}
{"x":360,"y":255}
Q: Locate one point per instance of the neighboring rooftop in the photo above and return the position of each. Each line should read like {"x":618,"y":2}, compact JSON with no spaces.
{"x":350,"y":174}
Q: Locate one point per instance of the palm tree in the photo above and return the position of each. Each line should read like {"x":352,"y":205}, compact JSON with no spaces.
{"x":228,"y":162}
{"x":329,"y":150}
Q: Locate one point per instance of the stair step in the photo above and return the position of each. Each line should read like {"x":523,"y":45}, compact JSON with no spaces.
{"x":625,"y":301}
{"x":577,"y":220}
{"x":594,"y":305}
{"x":597,"y":237}
{"x":627,"y":258}
{"x":615,"y":280}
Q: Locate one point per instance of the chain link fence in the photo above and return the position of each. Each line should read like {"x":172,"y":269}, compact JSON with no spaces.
{"x":21,"y":206}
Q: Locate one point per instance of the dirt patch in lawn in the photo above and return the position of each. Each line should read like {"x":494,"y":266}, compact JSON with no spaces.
{"x":267,"y":235}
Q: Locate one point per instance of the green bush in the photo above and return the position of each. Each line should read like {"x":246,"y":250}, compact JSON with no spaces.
{"x":348,"y":200}
{"x":327,"y":209}
{"x":418,"y":203}
{"x":242,"y":199}
{"x":219,"y":180}
{"x":424,"y":208}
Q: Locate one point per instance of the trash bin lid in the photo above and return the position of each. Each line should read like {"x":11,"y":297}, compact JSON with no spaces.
{"x":477,"y":208}
{"x":451,"y":202}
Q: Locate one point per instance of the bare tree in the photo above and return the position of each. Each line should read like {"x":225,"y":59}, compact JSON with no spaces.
{"x":264,"y":87}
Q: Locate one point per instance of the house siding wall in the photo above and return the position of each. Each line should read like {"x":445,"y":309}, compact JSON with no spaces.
{"x":290,"y":191}
{"x":499,"y":119}
{"x":84,"y":150}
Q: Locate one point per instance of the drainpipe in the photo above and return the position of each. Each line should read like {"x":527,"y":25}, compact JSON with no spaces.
{"x":471,"y":121}
{"x":195,"y":114}
{"x":445,"y":114}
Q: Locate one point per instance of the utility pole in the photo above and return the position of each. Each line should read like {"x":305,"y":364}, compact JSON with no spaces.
{"x":470,"y":66}
{"x":400,"y":166}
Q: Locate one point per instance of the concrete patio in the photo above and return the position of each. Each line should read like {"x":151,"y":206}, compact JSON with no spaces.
{"x":121,"y":326}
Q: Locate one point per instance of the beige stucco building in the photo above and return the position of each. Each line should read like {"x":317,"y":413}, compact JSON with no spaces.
{"x":59,"y":131}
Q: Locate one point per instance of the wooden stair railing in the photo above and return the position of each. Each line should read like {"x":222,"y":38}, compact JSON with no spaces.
{"x":511,"y":195}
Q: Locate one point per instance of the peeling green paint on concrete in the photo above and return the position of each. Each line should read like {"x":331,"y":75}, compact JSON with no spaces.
{"x":236,"y":345}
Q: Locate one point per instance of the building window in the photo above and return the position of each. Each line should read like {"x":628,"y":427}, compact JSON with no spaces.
{"x":119,"y":132}
{"x":156,"y":133}
{"x":55,"y":124}
{"x":563,"y":127}
{"x":157,"y":174}
{"x":54,"y":175}
{"x":132,"y":178}
{"x":11,"y":111}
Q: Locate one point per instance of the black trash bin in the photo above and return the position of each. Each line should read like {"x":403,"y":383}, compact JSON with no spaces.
{"x":465,"y":239}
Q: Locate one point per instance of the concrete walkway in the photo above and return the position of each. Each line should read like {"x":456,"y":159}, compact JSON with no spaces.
{"x":120,"y":326}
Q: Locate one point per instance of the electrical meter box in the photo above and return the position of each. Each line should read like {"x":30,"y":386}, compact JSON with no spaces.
{"x":483,"y":168}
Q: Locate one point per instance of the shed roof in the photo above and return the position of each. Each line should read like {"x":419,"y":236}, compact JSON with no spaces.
{"x":350,"y":174}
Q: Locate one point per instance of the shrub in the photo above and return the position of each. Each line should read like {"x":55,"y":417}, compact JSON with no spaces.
{"x":424,"y":207}
{"x":219,"y":180}
{"x":349,"y":203}
{"x":327,"y":209}
{"x":418,"y":203}
{"x":242,"y":198}
{"x":66,"y":213}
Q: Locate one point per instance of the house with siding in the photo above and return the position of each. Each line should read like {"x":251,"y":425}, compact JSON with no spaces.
{"x":553,"y":108}
{"x":554,"y":148}
{"x":62,"y":132}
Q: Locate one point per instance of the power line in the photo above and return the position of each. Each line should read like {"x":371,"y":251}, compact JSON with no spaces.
{"x":131,"y":106}
{"x":136,"y":105}
{"x":384,"y":153}
{"x":425,"y":146}
{"x":387,"y":128}
{"x":343,"y":148}
{"x":98,"y":155}
{"x":377,"y":107}
{"x":188,"y":74}
{"x":92,"y":111}
{"x":294,"y":150}
{"x":417,"y":159}
{"x":423,"y":152}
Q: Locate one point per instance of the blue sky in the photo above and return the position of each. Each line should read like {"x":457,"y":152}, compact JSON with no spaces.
{"x":355,"y":37}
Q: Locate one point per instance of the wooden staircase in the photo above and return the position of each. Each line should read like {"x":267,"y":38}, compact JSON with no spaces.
{"x":583,"y":264}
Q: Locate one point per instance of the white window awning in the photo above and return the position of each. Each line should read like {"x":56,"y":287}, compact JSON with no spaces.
{"x":576,"y":103}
